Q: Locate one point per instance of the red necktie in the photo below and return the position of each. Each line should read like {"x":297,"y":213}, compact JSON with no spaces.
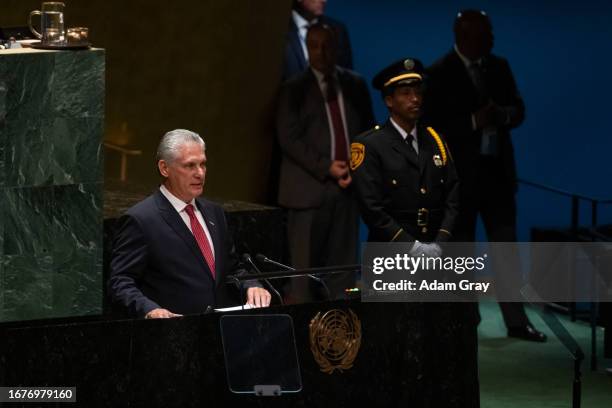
{"x":200,"y":236}
{"x":341,"y":151}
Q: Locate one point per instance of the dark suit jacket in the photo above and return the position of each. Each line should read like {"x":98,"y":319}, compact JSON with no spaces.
{"x":294,"y":61}
{"x":156,"y":260}
{"x":393,"y":183}
{"x":304,"y":136}
{"x":450,"y":101}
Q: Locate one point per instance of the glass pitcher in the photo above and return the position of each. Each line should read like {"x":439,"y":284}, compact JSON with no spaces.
{"x":51,"y":23}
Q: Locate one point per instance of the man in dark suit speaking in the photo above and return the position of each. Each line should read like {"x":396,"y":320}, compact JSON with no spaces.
{"x":172,"y":251}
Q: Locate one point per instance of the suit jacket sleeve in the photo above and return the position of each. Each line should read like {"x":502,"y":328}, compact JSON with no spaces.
{"x":128,"y":265}
{"x":290,"y":132}
{"x":513,"y":102}
{"x":451,"y":112}
{"x":451,"y":201}
{"x":367,"y":179}
{"x":233,"y":264}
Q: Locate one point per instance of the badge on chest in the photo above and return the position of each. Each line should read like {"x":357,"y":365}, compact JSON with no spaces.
{"x":438,"y":160}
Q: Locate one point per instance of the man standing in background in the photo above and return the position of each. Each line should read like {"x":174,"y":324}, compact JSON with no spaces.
{"x":304,"y":14}
{"x":319,"y":111}
{"x":474,"y":101}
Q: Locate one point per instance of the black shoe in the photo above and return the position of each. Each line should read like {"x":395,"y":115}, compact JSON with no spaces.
{"x":527,"y":332}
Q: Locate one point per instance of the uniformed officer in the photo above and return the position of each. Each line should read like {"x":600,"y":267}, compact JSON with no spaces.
{"x":407,"y":190}
{"x":403,"y":173}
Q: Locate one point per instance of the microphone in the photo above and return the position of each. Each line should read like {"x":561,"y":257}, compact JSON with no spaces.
{"x":247,"y":258}
{"x":264,"y":259}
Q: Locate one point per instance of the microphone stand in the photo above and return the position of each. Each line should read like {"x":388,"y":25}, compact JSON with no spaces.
{"x":247,"y":258}
{"x":265,"y":259}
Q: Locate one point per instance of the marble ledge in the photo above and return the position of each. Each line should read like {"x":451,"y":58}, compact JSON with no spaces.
{"x":120,"y":196}
{"x":27,"y":50}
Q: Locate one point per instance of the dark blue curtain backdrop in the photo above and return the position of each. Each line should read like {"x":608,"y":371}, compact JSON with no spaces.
{"x":561,"y":56}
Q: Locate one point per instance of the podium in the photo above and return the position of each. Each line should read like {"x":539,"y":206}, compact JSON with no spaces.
{"x":260,"y":354}
{"x":409,"y":354}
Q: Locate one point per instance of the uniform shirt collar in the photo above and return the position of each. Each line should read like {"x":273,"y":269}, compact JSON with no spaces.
{"x":402,"y":132}
{"x":178,"y":204}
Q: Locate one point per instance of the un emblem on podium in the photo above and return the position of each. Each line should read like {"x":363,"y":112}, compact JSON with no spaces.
{"x":335,"y":338}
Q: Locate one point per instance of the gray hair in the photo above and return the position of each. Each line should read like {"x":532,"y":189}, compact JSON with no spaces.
{"x":172,"y":141}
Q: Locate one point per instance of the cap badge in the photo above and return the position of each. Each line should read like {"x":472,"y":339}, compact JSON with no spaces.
{"x":408,"y":64}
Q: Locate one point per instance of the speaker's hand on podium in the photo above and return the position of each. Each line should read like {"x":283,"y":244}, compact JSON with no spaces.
{"x":258,"y":297}
{"x":160,"y":314}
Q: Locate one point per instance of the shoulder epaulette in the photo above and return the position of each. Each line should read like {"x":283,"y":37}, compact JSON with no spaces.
{"x":369,"y":132}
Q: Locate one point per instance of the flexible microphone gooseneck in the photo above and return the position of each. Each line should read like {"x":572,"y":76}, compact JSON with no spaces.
{"x":247,"y":258}
{"x":264,"y":259}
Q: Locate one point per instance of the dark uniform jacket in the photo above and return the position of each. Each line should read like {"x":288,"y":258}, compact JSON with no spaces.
{"x":404,"y":196}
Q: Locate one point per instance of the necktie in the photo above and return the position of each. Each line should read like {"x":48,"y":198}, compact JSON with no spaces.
{"x":488,"y":141}
{"x":340,"y":151}
{"x":478,"y":80}
{"x":412,"y":141}
{"x":201,"y":239}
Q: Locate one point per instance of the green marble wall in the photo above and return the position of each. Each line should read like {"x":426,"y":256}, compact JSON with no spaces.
{"x":51,"y":131}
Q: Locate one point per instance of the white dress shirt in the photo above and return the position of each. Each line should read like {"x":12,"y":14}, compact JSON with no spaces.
{"x":413,"y":135}
{"x":179,"y":205}
{"x":302,"y":25}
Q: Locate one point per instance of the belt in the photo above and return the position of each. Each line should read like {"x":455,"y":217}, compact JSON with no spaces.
{"x":422,"y":216}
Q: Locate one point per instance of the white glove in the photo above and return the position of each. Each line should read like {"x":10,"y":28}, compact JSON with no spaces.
{"x":432,"y":250}
{"x":417,"y":249}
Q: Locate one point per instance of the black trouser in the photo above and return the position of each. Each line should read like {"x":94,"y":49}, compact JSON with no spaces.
{"x":324,"y":236}
{"x":492,"y":197}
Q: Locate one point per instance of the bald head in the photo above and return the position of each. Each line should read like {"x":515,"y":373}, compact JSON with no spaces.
{"x":473,"y":34}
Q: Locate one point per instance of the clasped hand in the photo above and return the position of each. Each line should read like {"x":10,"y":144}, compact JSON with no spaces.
{"x":490,"y":115}
{"x":340,"y":172}
{"x":431,"y":250}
